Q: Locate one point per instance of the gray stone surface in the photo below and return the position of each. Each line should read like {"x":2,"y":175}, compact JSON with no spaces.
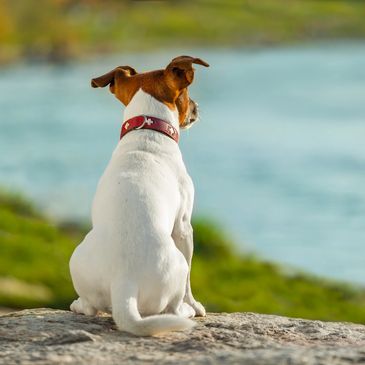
{"x":45,"y":336}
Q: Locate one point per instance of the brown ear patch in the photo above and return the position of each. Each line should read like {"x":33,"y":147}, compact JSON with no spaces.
{"x":109,"y":78}
{"x":103,"y":80}
{"x":187,"y":60}
{"x":164,"y":85}
{"x":181,"y":72}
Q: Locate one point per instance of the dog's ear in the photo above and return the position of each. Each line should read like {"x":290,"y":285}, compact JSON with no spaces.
{"x":110,"y":77}
{"x":181,"y":70}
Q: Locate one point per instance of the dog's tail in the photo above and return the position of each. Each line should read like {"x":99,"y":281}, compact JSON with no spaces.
{"x":127,"y":317}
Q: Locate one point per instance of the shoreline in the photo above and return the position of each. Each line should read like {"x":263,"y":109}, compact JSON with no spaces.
{"x":82,"y":56}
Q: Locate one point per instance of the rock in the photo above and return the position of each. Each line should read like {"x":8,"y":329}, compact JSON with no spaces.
{"x":47,"y":336}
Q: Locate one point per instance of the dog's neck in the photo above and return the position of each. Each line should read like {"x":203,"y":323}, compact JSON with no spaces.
{"x":145,"y":104}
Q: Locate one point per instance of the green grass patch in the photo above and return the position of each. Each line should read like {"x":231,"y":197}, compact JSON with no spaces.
{"x":34,"y":255}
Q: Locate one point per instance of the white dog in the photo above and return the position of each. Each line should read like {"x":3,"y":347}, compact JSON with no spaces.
{"x":135,"y":262}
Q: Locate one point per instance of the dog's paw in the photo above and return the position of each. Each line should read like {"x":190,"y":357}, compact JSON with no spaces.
{"x":186,"y":310}
{"x":79,"y":306}
{"x":76,"y":306}
{"x":199,"y":309}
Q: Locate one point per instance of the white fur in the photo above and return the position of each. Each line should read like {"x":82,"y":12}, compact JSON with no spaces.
{"x":136,"y":260}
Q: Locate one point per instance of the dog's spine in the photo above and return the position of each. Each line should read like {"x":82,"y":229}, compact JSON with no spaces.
{"x":127,"y":317}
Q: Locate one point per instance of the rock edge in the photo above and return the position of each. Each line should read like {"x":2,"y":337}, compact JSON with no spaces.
{"x":48,"y":336}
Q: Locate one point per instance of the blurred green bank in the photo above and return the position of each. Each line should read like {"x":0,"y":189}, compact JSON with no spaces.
{"x":56,"y":30}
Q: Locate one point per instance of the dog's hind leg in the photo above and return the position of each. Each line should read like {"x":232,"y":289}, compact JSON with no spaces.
{"x":81,"y":306}
{"x":183,"y":238}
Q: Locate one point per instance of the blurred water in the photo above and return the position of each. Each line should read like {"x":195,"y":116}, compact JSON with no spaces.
{"x":278,"y":158}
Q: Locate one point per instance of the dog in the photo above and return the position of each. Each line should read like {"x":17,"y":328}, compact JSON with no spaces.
{"x":135,"y":262}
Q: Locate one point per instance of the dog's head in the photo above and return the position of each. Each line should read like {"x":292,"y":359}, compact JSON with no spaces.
{"x":169,"y":86}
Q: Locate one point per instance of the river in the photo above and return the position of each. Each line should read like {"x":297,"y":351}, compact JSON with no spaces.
{"x":278,"y":158}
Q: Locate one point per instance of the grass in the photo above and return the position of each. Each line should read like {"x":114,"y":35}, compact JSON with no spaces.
{"x":34,"y":254}
{"x":63,"y":28}
{"x":33,"y":251}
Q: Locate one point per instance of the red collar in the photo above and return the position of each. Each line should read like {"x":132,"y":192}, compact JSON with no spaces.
{"x":147,"y":122}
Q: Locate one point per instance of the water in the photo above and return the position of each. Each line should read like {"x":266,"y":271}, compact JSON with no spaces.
{"x":278,"y":157}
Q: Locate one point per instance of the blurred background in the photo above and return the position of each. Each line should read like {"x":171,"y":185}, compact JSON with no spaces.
{"x":278,"y":158}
